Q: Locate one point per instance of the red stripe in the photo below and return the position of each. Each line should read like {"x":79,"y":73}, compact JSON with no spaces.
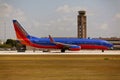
{"x":86,"y":46}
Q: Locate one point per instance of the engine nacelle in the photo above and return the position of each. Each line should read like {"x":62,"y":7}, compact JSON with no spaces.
{"x":74,"y":48}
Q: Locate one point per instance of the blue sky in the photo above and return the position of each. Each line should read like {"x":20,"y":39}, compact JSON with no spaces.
{"x":59,"y":17}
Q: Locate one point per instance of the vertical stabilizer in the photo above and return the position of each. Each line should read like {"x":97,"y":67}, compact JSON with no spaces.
{"x":21,"y":34}
{"x":19,"y":29}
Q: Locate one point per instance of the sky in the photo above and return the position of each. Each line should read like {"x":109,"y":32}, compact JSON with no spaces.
{"x":59,"y":17}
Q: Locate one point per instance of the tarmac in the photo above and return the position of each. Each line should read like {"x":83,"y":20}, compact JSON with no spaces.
{"x":60,"y":66}
{"x":81,"y":52}
{"x":54,"y":65}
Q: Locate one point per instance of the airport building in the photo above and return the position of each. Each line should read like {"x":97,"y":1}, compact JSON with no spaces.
{"x":81,"y":24}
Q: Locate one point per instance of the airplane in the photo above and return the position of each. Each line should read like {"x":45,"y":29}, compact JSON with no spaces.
{"x":71,"y":44}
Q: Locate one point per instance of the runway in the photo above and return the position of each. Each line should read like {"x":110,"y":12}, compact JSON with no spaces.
{"x":81,"y":52}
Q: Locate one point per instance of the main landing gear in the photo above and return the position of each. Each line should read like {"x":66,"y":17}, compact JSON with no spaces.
{"x":62,"y":50}
{"x":102,"y":50}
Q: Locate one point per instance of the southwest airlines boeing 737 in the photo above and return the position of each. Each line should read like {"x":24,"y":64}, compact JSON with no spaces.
{"x":72,"y":44}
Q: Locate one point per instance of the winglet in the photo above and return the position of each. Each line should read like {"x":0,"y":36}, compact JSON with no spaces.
{"x":51,"y":39}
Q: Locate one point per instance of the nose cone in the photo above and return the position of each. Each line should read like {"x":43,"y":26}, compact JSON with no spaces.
{"x":111,"y":45}
{"x":108,"y":44}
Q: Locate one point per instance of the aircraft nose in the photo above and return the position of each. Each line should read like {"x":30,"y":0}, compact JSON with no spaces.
{"x":110,"y":45}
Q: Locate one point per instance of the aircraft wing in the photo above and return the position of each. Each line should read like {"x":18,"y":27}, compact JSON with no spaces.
{"x":65,"y":46}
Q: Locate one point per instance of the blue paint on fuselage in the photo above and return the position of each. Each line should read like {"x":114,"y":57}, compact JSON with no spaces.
{"x":73,"y":41}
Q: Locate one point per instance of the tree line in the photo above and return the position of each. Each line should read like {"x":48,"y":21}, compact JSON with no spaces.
{"x":11,"y":44}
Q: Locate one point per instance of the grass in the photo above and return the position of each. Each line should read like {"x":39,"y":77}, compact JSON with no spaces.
{"x":59,"y":67}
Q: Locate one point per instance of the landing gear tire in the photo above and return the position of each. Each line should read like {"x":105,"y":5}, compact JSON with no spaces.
{"x":102,"y":50}
{"x":62,"y":50}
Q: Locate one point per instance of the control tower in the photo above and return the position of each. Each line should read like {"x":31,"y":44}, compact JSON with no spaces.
{"x":81,"y":23}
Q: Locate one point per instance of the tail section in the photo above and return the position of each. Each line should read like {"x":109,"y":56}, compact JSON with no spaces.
{"x":25,"y":38}
{"x":19,"y":29}
{"x":21,"y":34}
